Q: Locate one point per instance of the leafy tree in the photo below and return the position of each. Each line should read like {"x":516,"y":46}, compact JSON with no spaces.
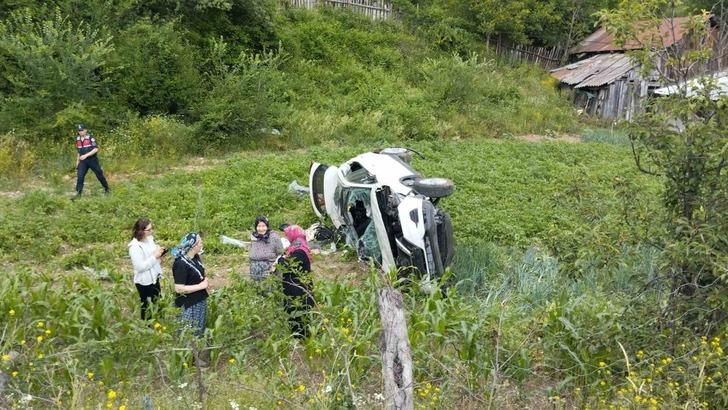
{"x":52,"y":70}
{"x":682,"y":138}
{"x":247,"y":24}
{"x":159,"y":69}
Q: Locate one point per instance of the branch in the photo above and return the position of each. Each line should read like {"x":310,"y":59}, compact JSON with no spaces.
{"x":638,"y":161}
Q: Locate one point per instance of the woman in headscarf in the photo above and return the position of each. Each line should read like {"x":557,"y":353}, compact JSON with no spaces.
{"x":295,"y":268}
{"x":265,"y":247}
{"x":190,"y":282}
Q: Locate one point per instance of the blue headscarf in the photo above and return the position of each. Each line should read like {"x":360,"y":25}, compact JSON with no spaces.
{"x":187,"y":242}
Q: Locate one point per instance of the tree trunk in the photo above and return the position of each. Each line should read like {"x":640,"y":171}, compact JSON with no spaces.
{"x":396,"y":354}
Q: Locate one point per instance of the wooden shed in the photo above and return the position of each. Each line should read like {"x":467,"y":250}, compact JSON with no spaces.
{"x":605,"y":85}
{"x":604,"y":81}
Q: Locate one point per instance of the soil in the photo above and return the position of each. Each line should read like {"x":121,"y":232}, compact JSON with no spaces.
{"x":559,"y":138}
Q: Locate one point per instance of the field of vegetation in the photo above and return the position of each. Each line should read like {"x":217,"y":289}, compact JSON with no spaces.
{"x":558,"y":296}
{"x":578,"y":328}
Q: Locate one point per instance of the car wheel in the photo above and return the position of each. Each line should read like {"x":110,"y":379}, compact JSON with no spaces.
{"x":434,"y":187}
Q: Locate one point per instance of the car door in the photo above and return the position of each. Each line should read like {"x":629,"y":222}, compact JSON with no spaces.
{"x":323,"y":181}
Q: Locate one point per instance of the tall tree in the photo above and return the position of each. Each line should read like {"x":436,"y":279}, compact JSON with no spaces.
{"x":683,"y":138}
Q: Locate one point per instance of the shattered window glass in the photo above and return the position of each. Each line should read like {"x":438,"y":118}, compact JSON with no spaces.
{"x":359,"y":175}
{"x":362,"y":232}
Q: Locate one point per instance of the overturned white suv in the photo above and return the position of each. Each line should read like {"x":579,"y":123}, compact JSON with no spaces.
{"x":387,"y":211}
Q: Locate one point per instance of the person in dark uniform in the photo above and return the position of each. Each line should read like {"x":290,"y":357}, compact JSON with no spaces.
{"x":87,"y":159}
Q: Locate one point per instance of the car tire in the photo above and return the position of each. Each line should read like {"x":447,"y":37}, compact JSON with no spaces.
{"x":434,"y":187}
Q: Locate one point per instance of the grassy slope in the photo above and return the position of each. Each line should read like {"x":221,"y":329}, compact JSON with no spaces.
{"x":508,"y":192}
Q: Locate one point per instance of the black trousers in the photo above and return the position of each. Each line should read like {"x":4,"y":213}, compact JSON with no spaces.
{"x":91,"y":163}
{"x":148,"y":294}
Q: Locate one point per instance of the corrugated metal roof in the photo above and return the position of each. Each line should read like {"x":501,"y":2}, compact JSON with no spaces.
{"x":694,"y":87}
{"x":594,"y":71}
{"x":671,"y":31}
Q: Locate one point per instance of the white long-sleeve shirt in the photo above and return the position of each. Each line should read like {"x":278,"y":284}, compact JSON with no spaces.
{"x":147,"y":269}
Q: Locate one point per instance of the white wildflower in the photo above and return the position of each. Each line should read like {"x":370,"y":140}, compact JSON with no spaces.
{"x":328,"y":389}
{"x":182,"y":386}
{"x":234,"y":405}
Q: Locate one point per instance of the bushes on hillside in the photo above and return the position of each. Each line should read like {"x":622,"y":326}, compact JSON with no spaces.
{"x":158,"y":72}
{"x":53,"y":68}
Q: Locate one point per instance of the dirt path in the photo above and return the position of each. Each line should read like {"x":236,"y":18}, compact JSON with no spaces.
{"x":572,"y":138}
{"x":195,"y":164}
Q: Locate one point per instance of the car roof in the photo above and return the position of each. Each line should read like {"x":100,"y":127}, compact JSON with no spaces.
{"x":386,"y":168}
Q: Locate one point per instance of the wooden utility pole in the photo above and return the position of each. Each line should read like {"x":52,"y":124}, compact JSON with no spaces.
{"x":396,"y":353}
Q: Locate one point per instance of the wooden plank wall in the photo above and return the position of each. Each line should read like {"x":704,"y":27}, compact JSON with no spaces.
{"x":375,"y":9}
{"x":621,"y":100}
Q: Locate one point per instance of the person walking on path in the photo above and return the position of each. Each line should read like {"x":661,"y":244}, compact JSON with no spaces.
{"x":145,"y":259}
{"x":87,"y":159}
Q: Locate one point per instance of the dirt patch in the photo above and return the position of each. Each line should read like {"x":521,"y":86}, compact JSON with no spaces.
{"x":11,"y":194}
{"x":223,"y":270}
{"x":195,"y":164}
{"x":558,"y":138}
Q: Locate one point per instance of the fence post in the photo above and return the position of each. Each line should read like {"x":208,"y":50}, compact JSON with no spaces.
{"x":395,"y":350}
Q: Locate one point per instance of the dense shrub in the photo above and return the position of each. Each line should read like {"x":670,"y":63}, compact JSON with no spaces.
{"x":246,"y":101}
{"x":159,"y":73}
{"x":54,"y":71}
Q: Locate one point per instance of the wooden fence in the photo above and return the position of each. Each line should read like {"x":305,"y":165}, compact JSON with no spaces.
{"x":375,"y":9}
{"x":546,"y":57}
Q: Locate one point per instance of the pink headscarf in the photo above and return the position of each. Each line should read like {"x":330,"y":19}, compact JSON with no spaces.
{"x":297,"y":237}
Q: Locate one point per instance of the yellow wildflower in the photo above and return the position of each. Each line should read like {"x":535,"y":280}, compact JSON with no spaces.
{"x":301,"y":388}
{"x":90,"y":375}
{"x":111,"y":394}
{"x":232,"y":360}
{"x":14,"y":374}
{"x":6,"y":357}
{"x":122,"y":407}
{"x":40,"y":355}
{"x":157,"y":325}
{"x":109,"y":405}
{"x":22,"y":342}
{"x":39,"y":339}
{"x":11,"y":312}
{"x":40,"y":324}
{"x":602,"y":364}
{"x":48,"y":332}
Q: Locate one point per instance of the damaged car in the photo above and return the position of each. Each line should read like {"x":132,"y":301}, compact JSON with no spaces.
{"x":387,"y":211}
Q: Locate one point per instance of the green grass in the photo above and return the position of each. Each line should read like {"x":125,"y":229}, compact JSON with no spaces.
{"x":508,"y":192}
{"x":606,"y":136}
{"x":550,"y":280}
